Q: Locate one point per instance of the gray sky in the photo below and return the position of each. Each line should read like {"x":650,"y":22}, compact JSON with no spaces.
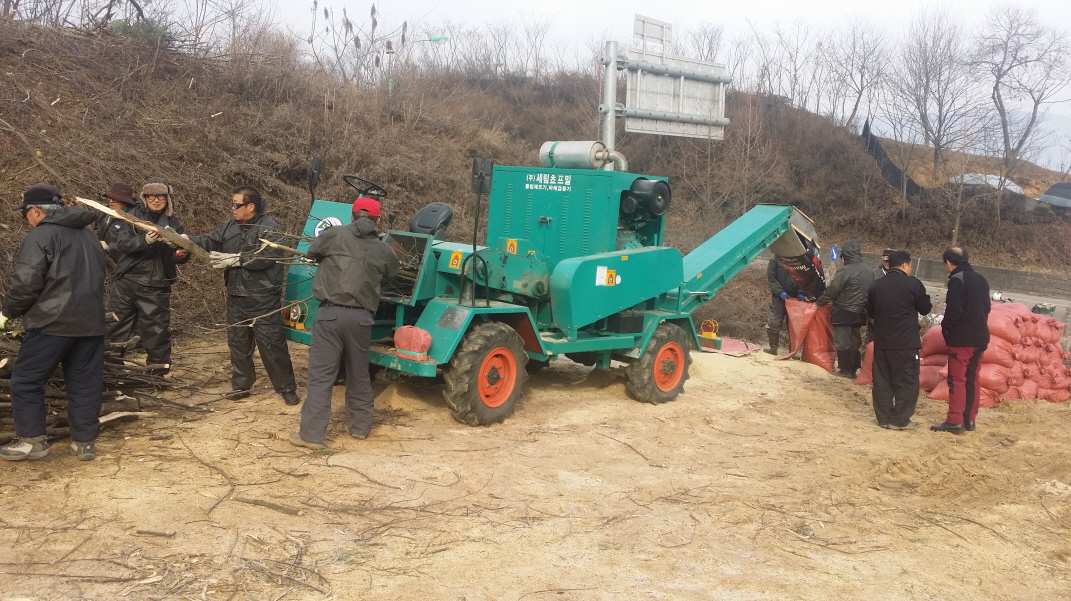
{"x":579,"y":22}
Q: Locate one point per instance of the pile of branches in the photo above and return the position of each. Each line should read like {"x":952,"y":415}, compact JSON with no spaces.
{"x":127,"y":384}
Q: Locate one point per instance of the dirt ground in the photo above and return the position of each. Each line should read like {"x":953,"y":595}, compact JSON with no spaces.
{"x":765,"y":480}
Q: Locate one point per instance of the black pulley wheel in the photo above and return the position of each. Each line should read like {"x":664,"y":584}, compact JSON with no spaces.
{"x":653,"y":194}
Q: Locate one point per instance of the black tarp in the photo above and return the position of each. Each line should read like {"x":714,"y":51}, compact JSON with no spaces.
{"x":1058,"y":196}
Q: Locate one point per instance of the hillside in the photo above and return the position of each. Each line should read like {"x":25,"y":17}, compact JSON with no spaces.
{"x":918,"y":160}
{"x":85,"y":111}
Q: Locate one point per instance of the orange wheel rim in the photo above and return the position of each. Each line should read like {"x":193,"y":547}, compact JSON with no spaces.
{"x":669,"y":367}
{"x":497,"y":377}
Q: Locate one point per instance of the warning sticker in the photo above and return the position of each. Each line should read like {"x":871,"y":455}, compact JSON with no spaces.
{"x":511,"y":246}
{"x":604,"y":276}
{"x":455,"y":259}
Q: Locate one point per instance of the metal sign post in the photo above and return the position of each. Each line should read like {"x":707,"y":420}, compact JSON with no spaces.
{"x":665,"y":94}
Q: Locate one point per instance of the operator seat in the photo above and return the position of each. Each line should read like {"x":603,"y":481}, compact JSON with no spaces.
{"x":432,"y":220}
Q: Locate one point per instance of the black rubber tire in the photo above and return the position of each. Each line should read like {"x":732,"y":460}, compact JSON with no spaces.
{"x":461,"y":392}
{"x":536,"y":366}
{"x":586,"y":358}
{"x":641,"y":383}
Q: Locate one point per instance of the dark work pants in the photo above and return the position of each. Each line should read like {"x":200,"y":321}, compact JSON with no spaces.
{"x":266,"y":331}
{"x":963,"y":389}
{"x":83,"y":376}
{"x":341,"y":335}
{"x":778,"y":314}
{"x":847,"y":339}
{"x":896,"y":385}
{"x":150,"y":308}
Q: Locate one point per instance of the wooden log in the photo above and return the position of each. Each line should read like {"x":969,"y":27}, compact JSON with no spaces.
{"x":170,"y":236}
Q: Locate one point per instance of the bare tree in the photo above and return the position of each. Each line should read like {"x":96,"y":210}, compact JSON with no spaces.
{"x":897,"y":119}
{"x":858,"y":56}
{"x":934,"y":77}
{"x":704,"y":42}
{"x":1027,"y":66}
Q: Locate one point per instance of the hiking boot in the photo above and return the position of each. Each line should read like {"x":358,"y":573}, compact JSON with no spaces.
{"x":968,"y":426}
{"x":947,"y":427}
{"x":909,"y":426}
{"x":358,"y":436}
{"x":297,"y":440}
{"x":290,"y":397}
{"x":84,"y":451}
{"x":30,"y":447}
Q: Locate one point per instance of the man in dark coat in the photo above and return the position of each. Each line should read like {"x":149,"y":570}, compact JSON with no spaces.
{"x":966,"y":330}
{"x":352,"y":263}
{"x":782,"y":287}
{"x":144,"y":272}
{"x":895,"y":302}
{"x":848,"y":293}
{"x":254,"y":280}
{"x":57,"y":289}
{"x":879,"y":271}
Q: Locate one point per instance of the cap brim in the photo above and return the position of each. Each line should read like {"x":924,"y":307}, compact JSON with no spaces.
{"x":126,"y":201}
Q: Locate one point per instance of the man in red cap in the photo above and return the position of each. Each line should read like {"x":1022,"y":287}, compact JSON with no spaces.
{"x":352,"y":263}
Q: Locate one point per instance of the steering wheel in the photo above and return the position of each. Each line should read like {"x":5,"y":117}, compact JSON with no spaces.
{"x":365,"y":187}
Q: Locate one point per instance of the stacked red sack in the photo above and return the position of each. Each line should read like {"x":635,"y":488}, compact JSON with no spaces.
{"x":1024,"y":359}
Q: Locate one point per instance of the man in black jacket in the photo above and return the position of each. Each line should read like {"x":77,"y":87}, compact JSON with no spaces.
{"x":57,"y":289}
{"x":848,"y":293}
{"x":782,"y":287}
{"x":254,"y":280}
{"x":144,"y":272}
{"x":352,"y":264}
{"x":966,"y":330}
{"x":895,"y":302}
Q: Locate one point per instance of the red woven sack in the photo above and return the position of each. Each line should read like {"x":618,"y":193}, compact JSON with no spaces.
{"x":1049,"y":330}
{"x":944,"y":371}
{"x":866,"y":372}
{"x":1006,"y":325}
{"x":933,"y":343}
{"x":1012,"y":394}
{"x":1030,"y":326}
{"x":1056,"y":396}
{"x":994,"y":377}
{"x":1017,"y":309}
{"x":811,"y":328}
{"x":1051,"y":354}
{"x":1060,"y":380}
{"x":999,"y":351}
{"x":1029,"y":389}
{"x":1028,"y":351}
{"x":929,"y":377}
{"x":940,"y":392}
{"x":1015,"y":375}
{"x":935,"y":361}
{"x":1031,"y":371}
{"x":988,"y":398}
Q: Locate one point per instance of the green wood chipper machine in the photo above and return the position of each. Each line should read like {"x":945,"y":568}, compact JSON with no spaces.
{"x":573,"y":264}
